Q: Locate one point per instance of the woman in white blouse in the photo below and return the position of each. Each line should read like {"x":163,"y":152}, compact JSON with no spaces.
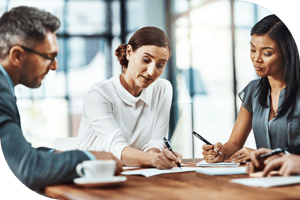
{"x":128,"y":115}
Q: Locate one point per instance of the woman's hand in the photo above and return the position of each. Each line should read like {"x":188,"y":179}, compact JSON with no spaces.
{"x":289,"y":164}
{"x":240,"y":156}
{"x":255,"y":164}
{"x":259,"y":164}
{"x":166,"y":159}
{"x":211,"y":154}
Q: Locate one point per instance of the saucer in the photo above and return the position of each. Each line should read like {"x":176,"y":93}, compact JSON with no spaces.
{"x":98,"y":182}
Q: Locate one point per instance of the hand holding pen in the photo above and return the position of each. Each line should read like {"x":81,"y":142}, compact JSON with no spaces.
{"x":259,"y":157}
{"x":170,"y":149}
{"x":210,"y":152}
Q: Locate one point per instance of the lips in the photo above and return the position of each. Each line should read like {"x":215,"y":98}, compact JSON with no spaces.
{"x":148,"y":79}
{"x":258,"y":68}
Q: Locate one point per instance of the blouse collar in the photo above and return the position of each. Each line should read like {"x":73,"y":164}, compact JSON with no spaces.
{"x":129,"y":98}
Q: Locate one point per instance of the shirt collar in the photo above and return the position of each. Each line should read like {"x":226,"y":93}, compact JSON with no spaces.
{"x":10,"y":82}
{"x":127,"y":97}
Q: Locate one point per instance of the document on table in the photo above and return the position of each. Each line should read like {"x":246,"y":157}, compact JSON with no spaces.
{"x":268,"y":181}
{"x":125,"y":167}
{"x":221,"y":170}
{"x":153,"y":171}
{"x":203,"y":163}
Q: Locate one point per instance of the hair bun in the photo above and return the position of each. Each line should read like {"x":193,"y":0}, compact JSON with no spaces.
{"x":121,"y":54}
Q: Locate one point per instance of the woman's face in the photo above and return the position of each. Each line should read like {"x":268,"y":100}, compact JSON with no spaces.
{"x":145,"y":65}
{"x":266,"y":56}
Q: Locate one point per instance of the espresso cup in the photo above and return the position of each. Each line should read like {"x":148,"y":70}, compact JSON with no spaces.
{"x":99,"y":169}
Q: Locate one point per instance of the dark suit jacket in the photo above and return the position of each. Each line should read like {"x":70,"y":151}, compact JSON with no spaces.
{"x":294,"y":150}
{"x":36,"y":168}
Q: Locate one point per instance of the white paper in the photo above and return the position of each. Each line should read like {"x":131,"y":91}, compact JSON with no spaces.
{"x":221,"y":170}
{"x":125,"y":167}
{"x":268,"y":181}
{"x":153,"y":171}
{"x":203,"y":163}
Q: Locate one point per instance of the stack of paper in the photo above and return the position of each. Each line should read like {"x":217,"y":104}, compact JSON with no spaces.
{"x":203,"y":163}
{"x":268,"y":181}
{"x":222,"y":170}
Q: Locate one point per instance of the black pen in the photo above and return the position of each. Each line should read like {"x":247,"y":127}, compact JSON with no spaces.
{"x":204,"y":140}
{"x":170,"y":148}
{"x":273,"y":152}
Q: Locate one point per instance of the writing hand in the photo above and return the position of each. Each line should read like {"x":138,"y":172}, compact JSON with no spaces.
{"x":166,"y":159}
{"x":210,"y":153}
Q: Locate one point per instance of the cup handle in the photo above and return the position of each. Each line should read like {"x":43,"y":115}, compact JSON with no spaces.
{"x":79,"y":169}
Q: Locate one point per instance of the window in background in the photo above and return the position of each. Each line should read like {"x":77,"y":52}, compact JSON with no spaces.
{"x":90,"y":32}
{"x":86,"y":17}
{"x":135,"y":15}
{"x":208,"y":53}
{"x":3,"y":5}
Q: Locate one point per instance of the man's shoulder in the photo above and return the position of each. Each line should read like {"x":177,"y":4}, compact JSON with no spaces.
{"x":5,"y":91}
{"x":8,"y":107}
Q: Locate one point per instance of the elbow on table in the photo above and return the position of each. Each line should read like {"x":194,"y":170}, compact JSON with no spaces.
{"x":31,"y":183}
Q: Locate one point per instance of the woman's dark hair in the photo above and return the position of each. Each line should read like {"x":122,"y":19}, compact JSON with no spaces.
{"x":276,"y":29}
{"x":144,"y":36}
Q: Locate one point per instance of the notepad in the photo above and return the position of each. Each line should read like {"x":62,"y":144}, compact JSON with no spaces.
{"x":153,"y":171}
{"x":268,"y":181}
{"x":203,"y":163}
{"x":222,"y":170}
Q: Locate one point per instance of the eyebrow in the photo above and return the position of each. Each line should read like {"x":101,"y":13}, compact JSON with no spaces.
{"x":263,"y":47}
{"x":153,"y":57}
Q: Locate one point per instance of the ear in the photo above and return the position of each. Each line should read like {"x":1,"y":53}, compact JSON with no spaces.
{"x":129,"y":51}
{"x":16,"y":55}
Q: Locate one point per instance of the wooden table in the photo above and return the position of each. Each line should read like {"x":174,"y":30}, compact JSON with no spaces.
{"x":187,"y":185}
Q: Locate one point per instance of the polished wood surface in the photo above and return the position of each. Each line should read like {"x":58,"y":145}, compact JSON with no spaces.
{"x":187,"y":185}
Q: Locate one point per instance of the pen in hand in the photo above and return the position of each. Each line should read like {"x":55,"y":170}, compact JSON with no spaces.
{"x":170,"y":148}
{"x":273,"y":152}
{"x":204,"y":140}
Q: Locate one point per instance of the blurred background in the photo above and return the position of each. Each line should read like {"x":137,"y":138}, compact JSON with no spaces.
{"x":210,"y":64}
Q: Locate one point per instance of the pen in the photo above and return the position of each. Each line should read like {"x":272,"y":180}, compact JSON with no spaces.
{"x":170,"y":148}
{"x":204,"y":140}
{"x":273,"y":152}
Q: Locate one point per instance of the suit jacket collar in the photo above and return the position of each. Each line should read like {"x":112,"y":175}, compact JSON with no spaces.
{"x":10,"y":82}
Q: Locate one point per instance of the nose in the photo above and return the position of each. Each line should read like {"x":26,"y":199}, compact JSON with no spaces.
{"x":257,"y":57}
{"x":151,"y":69}
{"x":54,"y":65}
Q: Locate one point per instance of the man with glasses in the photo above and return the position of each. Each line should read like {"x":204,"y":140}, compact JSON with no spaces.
{"x":28,"y":50}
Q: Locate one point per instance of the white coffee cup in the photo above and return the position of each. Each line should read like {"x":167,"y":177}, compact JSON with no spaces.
{"x":99,"y":169}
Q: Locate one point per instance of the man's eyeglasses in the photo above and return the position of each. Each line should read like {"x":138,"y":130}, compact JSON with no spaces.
{"x":42,"y":55}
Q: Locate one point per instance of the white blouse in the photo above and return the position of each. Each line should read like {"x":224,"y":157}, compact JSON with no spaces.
{"x":113,"y":119}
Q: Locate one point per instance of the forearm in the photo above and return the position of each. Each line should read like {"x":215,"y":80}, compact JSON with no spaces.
{"x":240,"y":132}
{"x":34,"y":168}
{"x":230,"y":148}
{"x":136,"y":158}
